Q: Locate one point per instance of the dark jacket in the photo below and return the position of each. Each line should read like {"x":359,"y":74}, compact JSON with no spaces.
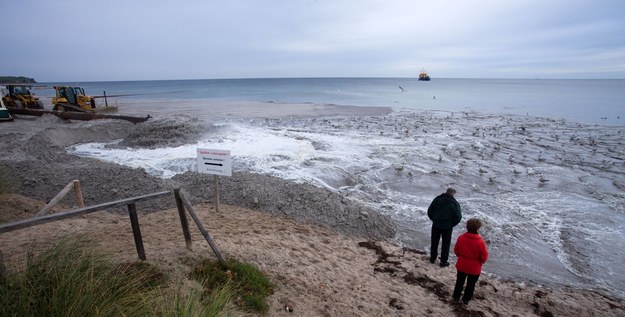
{"x":444,"y":211}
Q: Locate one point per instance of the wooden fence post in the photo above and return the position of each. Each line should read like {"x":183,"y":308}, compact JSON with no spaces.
{"x":136,"y":232}
{"x":200,"y":226}
{"x":79,"y":201}
{"x":78,"y":193}
{"x":216,"y":192}
{"x":55,"y":200}
{"x":183,"y":220}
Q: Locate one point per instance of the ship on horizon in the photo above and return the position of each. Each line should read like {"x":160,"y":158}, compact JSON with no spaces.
{"x":424,"y":76}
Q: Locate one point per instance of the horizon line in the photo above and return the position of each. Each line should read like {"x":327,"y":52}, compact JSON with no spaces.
{"x":325,"y":77}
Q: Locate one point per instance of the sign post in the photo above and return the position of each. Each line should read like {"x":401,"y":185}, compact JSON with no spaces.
{"x":216,"y":162}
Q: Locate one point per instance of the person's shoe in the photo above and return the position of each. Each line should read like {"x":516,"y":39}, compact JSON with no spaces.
{"x":432,"y":261}
{"x":444,"y":264}
{"x":456,"y":299}
{"x":465,"y":302}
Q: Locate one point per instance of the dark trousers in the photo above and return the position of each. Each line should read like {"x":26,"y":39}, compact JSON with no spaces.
{"x":437,"y":233}
{"x":468,"y":290}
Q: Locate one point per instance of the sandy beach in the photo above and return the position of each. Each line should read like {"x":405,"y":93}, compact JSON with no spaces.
{"x":328,"y":255}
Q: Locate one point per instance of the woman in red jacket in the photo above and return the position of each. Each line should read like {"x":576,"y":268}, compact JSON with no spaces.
{"x":471,"y":251}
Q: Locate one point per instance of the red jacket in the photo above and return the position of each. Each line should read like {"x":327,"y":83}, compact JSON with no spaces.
{"x":471,"y":251}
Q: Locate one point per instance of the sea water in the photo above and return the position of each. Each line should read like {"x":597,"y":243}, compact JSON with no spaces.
{"x":549,"y":190}
{"x":587,"y":101}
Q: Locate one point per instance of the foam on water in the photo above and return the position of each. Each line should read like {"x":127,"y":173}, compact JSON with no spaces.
{"x":161,"y":162}
{"x":549,"y":192}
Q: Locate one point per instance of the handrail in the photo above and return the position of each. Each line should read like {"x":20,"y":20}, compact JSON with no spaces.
{"x":181,"y":202}
{"x":6,"y":227}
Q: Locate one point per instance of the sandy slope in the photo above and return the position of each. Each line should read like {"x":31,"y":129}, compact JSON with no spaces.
{"x":318,"y":272}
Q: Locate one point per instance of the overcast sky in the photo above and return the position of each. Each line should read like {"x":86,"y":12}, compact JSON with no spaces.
{"x":85,"y":40}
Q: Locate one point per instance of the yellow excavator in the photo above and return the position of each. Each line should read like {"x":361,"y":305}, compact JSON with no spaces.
{"x":70,"y":98}
{"x":19,"y":96}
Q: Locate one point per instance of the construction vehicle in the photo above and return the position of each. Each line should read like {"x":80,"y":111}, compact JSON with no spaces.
{"x":70,"y":98}
{"x":19,"y":96}
{"x":71,"y":103}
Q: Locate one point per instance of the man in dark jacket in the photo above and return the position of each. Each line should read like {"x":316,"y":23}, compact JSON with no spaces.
{"x":444,"y":211}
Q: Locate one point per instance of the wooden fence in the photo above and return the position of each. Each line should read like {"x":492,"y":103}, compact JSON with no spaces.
{"x":75,"y":185}
{"x":184,"y":206}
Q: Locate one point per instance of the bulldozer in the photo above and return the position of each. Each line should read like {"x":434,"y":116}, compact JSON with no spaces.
{"x":19,"y":96}
{"x":70,"y":103}
{"x":70,"y":98}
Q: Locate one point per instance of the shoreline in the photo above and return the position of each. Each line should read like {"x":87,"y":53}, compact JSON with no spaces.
{"x":29,"y":149}
{"x":210,"y":110}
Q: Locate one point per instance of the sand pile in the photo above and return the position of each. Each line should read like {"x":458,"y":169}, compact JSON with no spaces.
{"x":164,"y":132}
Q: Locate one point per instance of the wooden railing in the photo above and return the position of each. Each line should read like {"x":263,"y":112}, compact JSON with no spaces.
{"x":181,"y":202}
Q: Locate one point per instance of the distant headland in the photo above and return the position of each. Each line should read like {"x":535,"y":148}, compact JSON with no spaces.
{"x":17,"y":79}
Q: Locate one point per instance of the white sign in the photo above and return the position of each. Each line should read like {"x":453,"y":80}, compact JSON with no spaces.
{"x":217,"y":162}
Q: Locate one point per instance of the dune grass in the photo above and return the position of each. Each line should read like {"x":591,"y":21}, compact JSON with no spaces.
{"x":195,"y":303}
{"x":248,"y":284}
{"x":70,"y":278}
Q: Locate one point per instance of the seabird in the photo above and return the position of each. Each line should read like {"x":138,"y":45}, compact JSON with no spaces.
{"x":402,"y":89}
